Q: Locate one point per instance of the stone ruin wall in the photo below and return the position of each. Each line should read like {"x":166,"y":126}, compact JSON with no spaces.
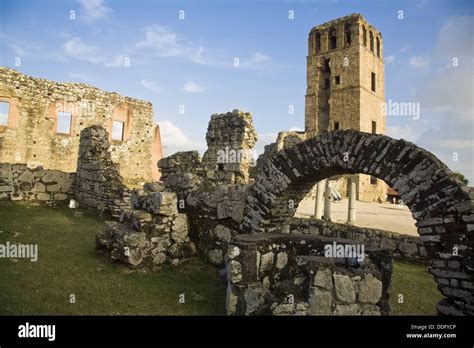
{"x":401,"y":246}
{"x":18,"y":182}
{"x":146,"y":229}
{"x":31,"y":136}
{"x":230,"y":139}
{"x":288,"y":274}
{"x":191,"y":213}
{"x":440,"y":203}
{"x":98,"y":183}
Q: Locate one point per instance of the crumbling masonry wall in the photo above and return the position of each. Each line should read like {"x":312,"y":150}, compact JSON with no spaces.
{"x":18,"y":182}
{"x":191,"y":212}
{"x":98,"y":183}
{"x":442,"y":205}
{"x":400,"y":246}
{"x":146,"y":229}
{"x":31,"y":133}
{"x":288,"y":274}
{"x":230,"y":139}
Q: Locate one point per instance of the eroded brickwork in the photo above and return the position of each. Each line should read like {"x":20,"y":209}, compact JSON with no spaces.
{"x":31,"y":135}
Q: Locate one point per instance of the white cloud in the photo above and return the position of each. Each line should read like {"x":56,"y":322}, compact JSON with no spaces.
{"x":94,"y":9}
{"x":172,"y":135}
{"x":192,"y":87}
{"x":418,"y":62}
{"x":446,"y":98}
{"x":75,"y":48}
{"x":407,"y":132}
{"x":174,"y":139}
{"x":163,"y":42}
{"x":263,"y":140}
{"x":151,"y":85}
{"x":296,"y":129}
{"x":256,"y":61}
{"x":389,"y":59}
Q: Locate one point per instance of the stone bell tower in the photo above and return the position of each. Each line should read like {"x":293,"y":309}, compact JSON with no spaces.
{"x":345,"y":85}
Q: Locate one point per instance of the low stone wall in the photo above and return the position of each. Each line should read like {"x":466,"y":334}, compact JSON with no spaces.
{"x":20,"y":183}
{"x":151,"y":234}
{"x":214,"y":217}
{"x":288,"y":274}
{"x":401,"y":246}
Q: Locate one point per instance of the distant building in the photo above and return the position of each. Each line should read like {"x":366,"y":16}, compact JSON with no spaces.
{"x":40,"y":123}
{"x":345,"y":86}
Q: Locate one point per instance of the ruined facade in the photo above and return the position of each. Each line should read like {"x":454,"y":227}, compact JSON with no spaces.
{"x":40,"y":123}
{"x":230,"y":139}
{"x":275,"y":263}
{"x":345,"y":85}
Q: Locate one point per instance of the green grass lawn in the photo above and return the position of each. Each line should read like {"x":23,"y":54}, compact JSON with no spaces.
{"x":418,"y":288}
{"x":68,"y":264}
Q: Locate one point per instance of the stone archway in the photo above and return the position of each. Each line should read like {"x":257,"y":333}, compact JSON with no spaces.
{"x":439,"y":202}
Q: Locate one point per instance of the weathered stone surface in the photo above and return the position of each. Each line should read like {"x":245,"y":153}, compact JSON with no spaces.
{"x":223,"y":233}
{"x":36,"y":101}
{"x":266,"y":262}
{"x":43,"y":197}
{"x":60,"y":197}
{"x":370,"y":310}
{"x":179,"y":228}
{"x":388,"y":244}
{"x":254,"y":297}
{"x":351,"y":309}
{"x":233,"y":252}
{"x":231,"y":300}
{"x":344,"y":288}
{"x":323,"y":279}
{"x":215,"y":256}
{"x":370,"y":289}
{"x":26,"y":176}
{"x":320,"y":303}
{"x":234,"y":271}
{"x":23,"y":183}
{"x":408,"y":248}
{"x":159,"y":259}
{"x":230,"y":139}
{"x":282,"y":260}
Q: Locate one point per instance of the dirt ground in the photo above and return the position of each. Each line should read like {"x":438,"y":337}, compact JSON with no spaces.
{"x":385,"y":216}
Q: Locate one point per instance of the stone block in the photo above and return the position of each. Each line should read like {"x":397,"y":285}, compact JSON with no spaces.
{"x":351,"y":309}
{"x":60,"y":197}
{"x":282,"y":260}
{"x":387,"y":244}
{"x":215,"y":256}
{"x":223,"y":233}
{"x":320,"y":302}
{"x":43,"y":197}
{"x":345,"y":291}
{"x":26,"y":176}
{"x":370,"y":289}
{"x":323,"y":279}
{"x":266,"y":262}
{"x":234,"y":271}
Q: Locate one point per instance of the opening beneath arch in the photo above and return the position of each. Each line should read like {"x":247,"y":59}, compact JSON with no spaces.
{"x":375,"y":205}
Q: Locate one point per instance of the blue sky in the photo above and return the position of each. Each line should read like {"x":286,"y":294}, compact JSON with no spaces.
{"x":144,"y":49}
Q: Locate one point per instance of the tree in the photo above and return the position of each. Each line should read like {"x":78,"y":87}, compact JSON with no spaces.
{"x":461,"y":177}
